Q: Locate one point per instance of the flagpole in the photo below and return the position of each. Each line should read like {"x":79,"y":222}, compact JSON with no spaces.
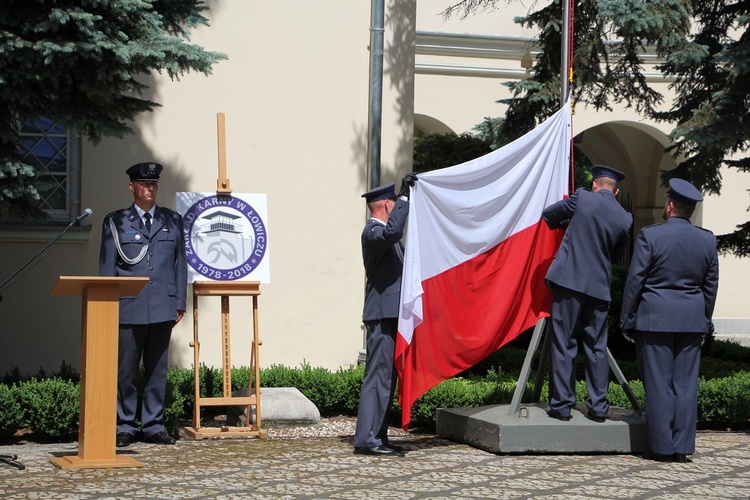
{"x":377,"y":28}
{"x":566,"y":77}
{"x":565,"y":53}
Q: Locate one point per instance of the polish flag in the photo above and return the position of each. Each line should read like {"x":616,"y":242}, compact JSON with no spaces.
{"x":477,"y":251}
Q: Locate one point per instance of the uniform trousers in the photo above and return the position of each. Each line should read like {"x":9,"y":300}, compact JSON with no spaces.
{"x":570,"y":308}
{"x":669,"y":364}
{"x":151,"y":342}
{"x":379,"y":384}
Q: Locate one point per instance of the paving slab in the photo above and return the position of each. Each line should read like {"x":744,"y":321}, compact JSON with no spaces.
{"x":432,"y":467}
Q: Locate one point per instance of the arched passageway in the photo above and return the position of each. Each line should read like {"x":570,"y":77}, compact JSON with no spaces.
{"x":639,"y":151}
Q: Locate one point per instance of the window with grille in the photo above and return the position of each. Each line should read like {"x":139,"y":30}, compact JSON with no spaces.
{"x":53,"y":150}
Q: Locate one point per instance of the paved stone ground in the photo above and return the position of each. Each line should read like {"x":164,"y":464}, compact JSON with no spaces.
{"x":285,"y":466}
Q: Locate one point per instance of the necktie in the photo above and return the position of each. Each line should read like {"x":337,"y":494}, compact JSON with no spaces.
{"x":147,"y":216}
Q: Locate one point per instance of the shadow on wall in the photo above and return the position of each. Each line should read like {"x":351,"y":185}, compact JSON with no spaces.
{"x":398,"y":78}
{"x":399,"y":56}
{"x":42,"y":342}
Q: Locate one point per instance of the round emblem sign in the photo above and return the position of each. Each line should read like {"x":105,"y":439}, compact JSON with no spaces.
{"x":225,"y":238}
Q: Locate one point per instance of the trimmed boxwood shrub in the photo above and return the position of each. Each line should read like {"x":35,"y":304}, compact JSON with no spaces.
{"x":458,"y":393}
{"x":51,"y":408}
{"x":724,"y":402}
{"x":11,"y":411}
{"x":347,"y":387}
{"x":175,"y":402}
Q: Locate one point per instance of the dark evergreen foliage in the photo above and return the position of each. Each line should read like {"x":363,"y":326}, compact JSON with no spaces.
{"x":705,"y":46}
{"x":84,"y":62}
{"x":435,"y":151}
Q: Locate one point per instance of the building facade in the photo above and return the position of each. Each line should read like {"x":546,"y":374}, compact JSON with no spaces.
{"x":295,"y":96}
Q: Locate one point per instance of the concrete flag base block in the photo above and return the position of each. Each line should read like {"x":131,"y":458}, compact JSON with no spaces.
{"x":531,"y":430}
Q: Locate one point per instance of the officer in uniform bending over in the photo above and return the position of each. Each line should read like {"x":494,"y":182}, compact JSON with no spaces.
{"x":596,"y":234}
{"x":145,"y":240}
{"x":667,"y":307}
{"x":383,"y":256}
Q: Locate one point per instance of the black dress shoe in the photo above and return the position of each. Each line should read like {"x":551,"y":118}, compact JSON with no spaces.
{"x":554,"y":414}
{"x":597,"y":418}
{"x":160,"y":438}
{"x":658,"y":457}
{"x":393,"y":447}
{"x":124,"y":439}
{"x":681,"y":458}
{"x":374,"y":450}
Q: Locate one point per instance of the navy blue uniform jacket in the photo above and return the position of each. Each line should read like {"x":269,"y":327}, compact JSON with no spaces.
{"x":673,"y":279}
{"x":165,"y":264}
{"x":595,"y":237}
{"x":383,"y":266}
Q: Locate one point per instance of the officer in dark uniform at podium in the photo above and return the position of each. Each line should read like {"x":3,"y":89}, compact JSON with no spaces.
{"x":667,"y":307}
{"x":145,"y":240}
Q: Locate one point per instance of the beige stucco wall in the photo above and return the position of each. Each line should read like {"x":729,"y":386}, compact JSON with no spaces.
{"x":295,"y":94}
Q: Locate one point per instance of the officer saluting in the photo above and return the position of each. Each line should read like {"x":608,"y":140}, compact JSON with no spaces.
{"x":145,"y":240}
{"x":667,"y":307}
{"x":383,"y":257}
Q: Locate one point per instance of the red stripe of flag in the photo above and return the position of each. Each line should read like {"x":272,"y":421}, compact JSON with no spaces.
{"x":473,"y":309}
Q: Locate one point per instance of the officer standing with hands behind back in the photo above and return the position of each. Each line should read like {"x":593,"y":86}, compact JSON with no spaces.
{"x":667,"y":307}
{"x":383,"y":256}
{"x":145,"y":240}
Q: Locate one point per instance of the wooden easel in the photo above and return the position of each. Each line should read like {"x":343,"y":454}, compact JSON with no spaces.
{"x":225,"y":289}
{"x":222,"y":183}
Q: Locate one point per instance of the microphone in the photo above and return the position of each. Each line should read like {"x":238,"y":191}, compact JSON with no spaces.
{"x":85,"y":214}
{"x":5,"y":284}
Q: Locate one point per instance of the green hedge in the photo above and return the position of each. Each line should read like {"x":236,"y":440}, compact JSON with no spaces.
{"x":724,"y":402}
{"x":49,"y":408}
{"x":11,"y":411}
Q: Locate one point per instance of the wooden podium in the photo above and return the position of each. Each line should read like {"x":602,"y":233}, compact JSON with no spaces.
{"x":99,"y":344}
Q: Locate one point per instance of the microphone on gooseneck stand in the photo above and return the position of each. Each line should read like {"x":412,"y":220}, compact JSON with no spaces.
{"x":9,"y":281}
{"x":13,"y":459}
{"x":85,"y":214}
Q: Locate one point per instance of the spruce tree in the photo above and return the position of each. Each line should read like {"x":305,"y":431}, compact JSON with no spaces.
{"x":83,"y":62}
{"x":705,"y":46}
